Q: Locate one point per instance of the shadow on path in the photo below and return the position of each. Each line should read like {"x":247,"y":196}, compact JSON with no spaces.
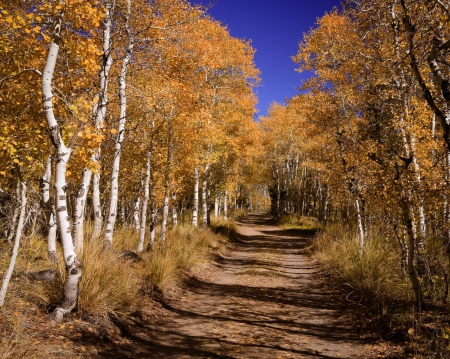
{"x":264,"y":301}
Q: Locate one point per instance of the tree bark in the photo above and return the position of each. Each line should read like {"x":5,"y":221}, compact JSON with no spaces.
{"x":49,"y":210}
{"x":195,"y":201}
{"x":205,"y":197}
{"x":140,"y":247}
{"x":15,"y":251}
{"x":73,"y":264}
{"x":112,"y":213}
{"x":225,"y":206}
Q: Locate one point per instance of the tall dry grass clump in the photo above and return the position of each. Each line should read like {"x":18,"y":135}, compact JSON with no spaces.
{"x":303,"y":223}
{"x":375,"y":273}
{"x":109,"y":284}
{"x":184,"y":249}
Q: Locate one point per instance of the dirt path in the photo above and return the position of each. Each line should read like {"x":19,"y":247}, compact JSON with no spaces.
{"x":263,"y":301}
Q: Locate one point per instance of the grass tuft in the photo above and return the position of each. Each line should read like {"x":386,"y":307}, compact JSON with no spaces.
{"x":302,"y":223}
{"x":108,"y":285}
{"x":184,"y":249}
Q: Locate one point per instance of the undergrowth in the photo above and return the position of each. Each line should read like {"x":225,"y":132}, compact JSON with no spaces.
{"x":377,"y":282}
{"x":302,"y":223}
{"x":111,"y":286}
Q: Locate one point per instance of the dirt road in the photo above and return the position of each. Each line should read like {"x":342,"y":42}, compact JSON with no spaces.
{"x":264,"y":300}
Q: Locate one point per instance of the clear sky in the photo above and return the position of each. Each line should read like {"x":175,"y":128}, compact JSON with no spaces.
{"x":275,"y":28}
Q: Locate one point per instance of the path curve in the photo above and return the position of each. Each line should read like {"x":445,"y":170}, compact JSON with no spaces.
{"x":264,"y":300}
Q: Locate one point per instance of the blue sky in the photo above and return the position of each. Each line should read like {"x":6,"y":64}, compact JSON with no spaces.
{"x":275,"y":28}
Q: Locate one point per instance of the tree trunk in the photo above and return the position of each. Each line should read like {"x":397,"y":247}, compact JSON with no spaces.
{"x":411,"y":250}
{"x":174,"y":210}
{"x":112,"y":213}
{"x":216,"y":206}
{"x":49,"y":210}
{"x":80,"y":205}
{"x":225,"y":206}
{"x":360,"y":228}
{"x":73,"y":264}
{"x":15,"y":217}
{"x":154,"y":213}
{"x":205,"y":197}
{"x":140,"y":247}
{"x":167,"y":183}
{"x":195,"y":201}
{"x":7,"y":277}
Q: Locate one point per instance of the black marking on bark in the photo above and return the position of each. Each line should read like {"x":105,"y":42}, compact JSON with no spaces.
{"x":62,"y":198}
{"x":65,"y":188}
{"x":74,"y":271}
{"x":62,"y":208}
{"x":69,"y":258}
{"x":55,"y":136}
{"x":42,"y":183}
{"x":81,"y":191}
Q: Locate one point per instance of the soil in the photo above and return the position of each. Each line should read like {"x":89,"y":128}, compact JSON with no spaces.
{"x":265,"y":299}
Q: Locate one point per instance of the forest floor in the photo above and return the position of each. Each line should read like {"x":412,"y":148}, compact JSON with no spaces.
{"x":265,"y":298}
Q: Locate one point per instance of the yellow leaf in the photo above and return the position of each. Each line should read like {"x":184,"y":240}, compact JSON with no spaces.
{"x":37,"y":29}
{"x":95,"y":100}
{"x":4,"y":12}
{"x":27,"y":31}
{"x":16,"y":160}
{"x":113,"y":131}
{"x":9,"y":19}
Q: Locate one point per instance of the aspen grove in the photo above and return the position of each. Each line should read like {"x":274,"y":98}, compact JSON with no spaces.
{"x":141,"y":115}
{"x":142,"y":101}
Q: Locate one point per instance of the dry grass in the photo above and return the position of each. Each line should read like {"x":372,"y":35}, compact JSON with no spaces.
{"x":292,"y":221}
{"x":183,"y":249}
{"x":110,"y":286}
{"x":109,"y":283}
{"x":375,"y":274}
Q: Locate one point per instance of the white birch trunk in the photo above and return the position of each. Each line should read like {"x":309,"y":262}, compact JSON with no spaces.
{"x":165,"y":213}
{"x":97,"y":207}
{"x":111,"y":219}
{"x":154,"y":213}
{"x":205,"y":198}
{"x":73,"y":264}
{"x":174,"y":210}
{"x":410,"y":259}
{"x":49,"y":211}
{"x":100,"y":114}
{"x":140,"y":247}
{"x":15,"y":218}
{"x":136,"y":213}
{"x":216,"y":207}
{"x":195,"y":201}
{"x":15,"y":251}
{"x":360,"y":228}
{"x":80,"y":207}
{"x":225,"y":206}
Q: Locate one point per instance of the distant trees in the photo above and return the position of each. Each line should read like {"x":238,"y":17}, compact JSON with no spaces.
{"x":362,"y":143}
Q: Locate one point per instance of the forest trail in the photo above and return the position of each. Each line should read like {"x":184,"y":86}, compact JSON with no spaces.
{"x":262,"y":300}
